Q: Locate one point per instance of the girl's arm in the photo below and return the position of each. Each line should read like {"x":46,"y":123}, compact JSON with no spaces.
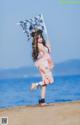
{"x":49,"y":46}
{"x":41,"y":48}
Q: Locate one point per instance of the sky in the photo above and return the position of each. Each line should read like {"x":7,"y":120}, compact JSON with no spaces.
{"x":62,"y":22}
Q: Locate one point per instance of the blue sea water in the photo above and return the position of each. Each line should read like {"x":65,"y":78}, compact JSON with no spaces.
{"x":16,"y":92}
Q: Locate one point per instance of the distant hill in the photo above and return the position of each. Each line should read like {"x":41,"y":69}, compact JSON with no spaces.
{"x":70,"y":67}
{"x":21,"y":72}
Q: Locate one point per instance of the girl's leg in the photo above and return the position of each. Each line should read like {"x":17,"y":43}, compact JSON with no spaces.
{"x":43,"y":88}
{"x":47,"y":79}
{"x":36,"y":85}
{"x":43,"y":94}
{"x":43,"y":91}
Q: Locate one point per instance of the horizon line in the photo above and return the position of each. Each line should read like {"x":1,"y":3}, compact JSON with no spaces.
{"x":16,"y":67}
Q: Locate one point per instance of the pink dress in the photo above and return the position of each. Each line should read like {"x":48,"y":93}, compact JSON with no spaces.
{"x":45,"y":64}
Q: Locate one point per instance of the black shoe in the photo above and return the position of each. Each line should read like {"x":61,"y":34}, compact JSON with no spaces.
{"x":41,"y":101}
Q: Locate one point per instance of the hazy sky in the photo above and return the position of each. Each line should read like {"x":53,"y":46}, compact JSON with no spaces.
{"x":63,"y":25}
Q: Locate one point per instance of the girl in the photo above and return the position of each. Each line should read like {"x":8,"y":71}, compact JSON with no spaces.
{"x":41,"y":57}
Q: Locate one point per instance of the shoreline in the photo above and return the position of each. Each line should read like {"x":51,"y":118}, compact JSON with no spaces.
{"x":37,"y":105}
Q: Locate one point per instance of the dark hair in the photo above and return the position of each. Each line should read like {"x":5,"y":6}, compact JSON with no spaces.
{"x":35,"y":50}
{"x":37,"y":32}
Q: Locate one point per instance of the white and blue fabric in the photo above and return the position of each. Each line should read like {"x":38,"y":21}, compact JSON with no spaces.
{"x":32,"y":24}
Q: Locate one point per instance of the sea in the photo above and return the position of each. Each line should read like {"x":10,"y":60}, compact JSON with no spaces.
{"x":16,"y":92}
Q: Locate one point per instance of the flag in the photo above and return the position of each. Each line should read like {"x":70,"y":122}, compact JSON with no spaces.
{"x":32,"y":24}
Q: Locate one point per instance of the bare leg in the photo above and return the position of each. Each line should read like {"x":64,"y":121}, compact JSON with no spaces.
{"x":43,"y":95}
{"x":43,"y":91}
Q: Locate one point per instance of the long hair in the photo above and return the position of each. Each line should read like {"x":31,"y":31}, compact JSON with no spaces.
{"x":35,"y":50}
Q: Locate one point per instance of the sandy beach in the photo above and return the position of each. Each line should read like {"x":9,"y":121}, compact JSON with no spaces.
{"x":67,"y":113}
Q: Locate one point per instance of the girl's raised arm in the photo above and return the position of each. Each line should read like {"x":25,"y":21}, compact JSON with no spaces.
{"x":49,"y":46}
